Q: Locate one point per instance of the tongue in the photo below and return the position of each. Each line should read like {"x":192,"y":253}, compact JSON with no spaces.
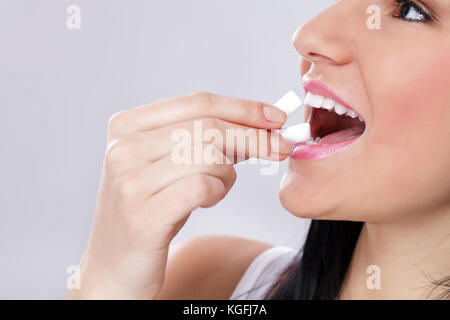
{"x":343,"y":135}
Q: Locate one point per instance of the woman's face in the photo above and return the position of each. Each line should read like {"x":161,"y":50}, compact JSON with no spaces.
{"x":397,"y":78}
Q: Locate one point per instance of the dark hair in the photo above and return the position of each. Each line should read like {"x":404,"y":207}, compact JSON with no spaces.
{"x":318,"y":272}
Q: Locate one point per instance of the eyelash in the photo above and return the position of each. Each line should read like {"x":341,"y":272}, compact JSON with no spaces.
{"x":401,"y":4}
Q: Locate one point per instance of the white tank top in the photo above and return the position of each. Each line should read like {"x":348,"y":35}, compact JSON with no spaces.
{"x":262,"y":272}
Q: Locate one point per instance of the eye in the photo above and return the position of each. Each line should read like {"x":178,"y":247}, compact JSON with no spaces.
{"x":410,"y":11}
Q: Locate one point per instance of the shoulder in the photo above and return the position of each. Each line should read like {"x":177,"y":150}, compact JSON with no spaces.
{"x":208,"y":267}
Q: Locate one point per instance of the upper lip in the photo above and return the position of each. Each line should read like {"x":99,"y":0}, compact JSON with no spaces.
{"x":316,"y":87}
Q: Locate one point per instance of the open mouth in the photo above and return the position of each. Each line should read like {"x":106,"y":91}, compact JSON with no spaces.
{"x":331,"y":122}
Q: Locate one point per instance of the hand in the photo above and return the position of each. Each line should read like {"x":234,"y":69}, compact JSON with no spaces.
{"x":145,"y":198}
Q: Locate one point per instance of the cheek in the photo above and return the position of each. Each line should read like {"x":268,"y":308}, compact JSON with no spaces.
{"x":409,"y":138}
{"x":412,"y":103}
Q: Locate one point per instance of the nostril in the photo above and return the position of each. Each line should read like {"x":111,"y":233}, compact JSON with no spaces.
{"x":316,"y":57}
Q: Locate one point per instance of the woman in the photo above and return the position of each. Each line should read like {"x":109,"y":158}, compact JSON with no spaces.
{"x":377,"y":184}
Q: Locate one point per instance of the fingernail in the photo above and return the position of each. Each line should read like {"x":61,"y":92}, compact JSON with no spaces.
{"x":274,"y":115}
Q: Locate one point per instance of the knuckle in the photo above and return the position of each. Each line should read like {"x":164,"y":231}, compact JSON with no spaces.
{"x":202,"y":100}
{"x":201,"y":186}
{"x":117,"y":122}
{"x":210,"y":123}
{"x":250,"y":108}
{"x":115,"y":153}
{"x":127,"y":187}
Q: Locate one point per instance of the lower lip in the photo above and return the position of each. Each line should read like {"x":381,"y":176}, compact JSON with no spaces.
{"x":316,"y":152}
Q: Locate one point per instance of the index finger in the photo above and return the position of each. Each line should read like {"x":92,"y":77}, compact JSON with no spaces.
{"x":161,"y":113}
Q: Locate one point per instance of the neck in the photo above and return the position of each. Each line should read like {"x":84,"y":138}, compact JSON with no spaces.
{"x":406,"y":257}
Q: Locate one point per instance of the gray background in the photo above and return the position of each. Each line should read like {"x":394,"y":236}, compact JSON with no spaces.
{"x":59,"y":87}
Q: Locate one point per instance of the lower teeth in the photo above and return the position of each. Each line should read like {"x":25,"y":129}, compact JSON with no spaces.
{"x":313,"y":142}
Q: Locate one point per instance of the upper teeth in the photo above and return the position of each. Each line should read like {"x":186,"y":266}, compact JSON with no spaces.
{"x":320,"y":102}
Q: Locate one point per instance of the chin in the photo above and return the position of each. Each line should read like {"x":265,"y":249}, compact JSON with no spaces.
{"x":307,"y":199}
{"x":304,"y":201}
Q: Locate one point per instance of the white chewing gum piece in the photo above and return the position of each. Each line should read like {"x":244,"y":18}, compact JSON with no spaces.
{"x":289,"y":103}
{"x":297,"y":134}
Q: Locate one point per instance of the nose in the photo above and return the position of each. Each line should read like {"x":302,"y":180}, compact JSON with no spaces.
{"x":326,"y":38}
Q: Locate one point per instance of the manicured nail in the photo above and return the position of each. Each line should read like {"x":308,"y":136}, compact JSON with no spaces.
{"x":274,"y":115}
